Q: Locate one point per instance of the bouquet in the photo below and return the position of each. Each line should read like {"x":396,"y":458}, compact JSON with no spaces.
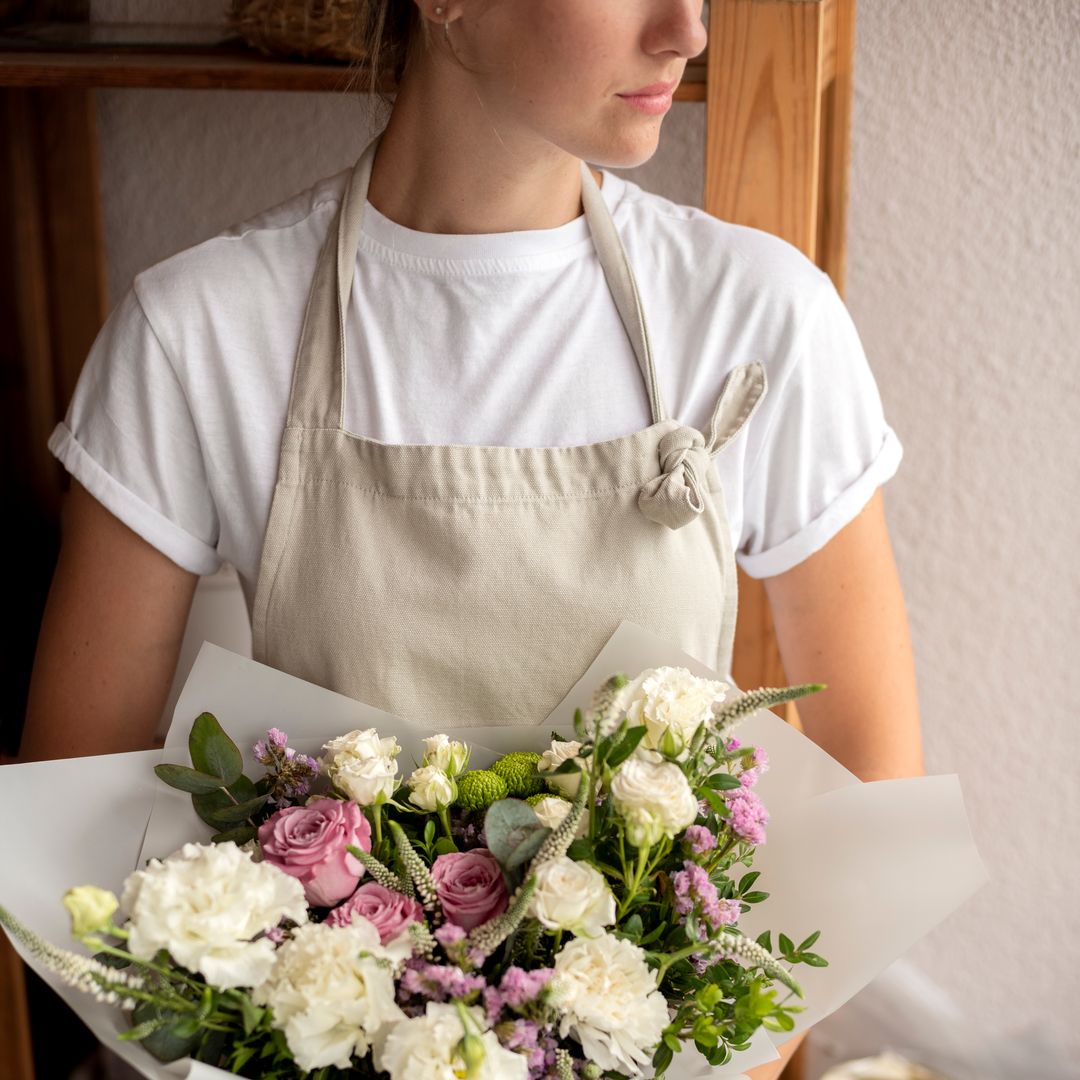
{"x":573,"y":902}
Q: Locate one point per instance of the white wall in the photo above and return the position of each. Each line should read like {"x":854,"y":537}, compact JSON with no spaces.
{"x":963,"y":280}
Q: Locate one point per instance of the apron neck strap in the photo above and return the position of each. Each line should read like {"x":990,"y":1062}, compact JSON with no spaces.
{"x":317,"y":399}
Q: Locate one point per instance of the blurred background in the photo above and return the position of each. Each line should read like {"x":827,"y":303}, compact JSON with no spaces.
{"x":963,"y":279}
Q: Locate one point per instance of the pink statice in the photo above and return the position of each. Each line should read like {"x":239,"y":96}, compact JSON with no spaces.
{"x":747,"y":814}
{"x":518,"y":989}
{"x":749,"y":777}
{"x":699,"y":839}
{"x":291,"y":773}
{"x":535,"y":1043}
{"x":693,"y":889}
{"x":732,"y":744}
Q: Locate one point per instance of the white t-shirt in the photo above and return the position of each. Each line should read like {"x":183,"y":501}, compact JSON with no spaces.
{"x":506,"y":339}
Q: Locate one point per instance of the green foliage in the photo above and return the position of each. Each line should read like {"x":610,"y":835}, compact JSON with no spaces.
{"x":479,"y":788}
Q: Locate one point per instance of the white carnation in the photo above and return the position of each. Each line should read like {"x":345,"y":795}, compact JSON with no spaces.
{"x":572,"y":896}
{"x":331,"y":991}
{"x":609,"y":1001}
{"x":362,"y":765}
{"x":204,"y":904}
{"x":427,"y":1048}
{"x":431,"y":788}
{"x":671,"y":702}
{"x":654,"y":799}
{"x":445,"y":753}
{"x":551,"y":759}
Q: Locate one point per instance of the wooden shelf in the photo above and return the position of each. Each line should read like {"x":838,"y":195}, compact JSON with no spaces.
{"x":188,"y":58}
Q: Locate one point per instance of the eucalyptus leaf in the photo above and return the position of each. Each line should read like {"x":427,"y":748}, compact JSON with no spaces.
{"x":241,"y":790}
{"x":239,"y":836}
{"x":528,"y":847}
{"x":507,"y":824}
{"x":189,"y":780}
{"x":212,"y":751}
{"x":164,"y":1042}
{"x":234,"y":814}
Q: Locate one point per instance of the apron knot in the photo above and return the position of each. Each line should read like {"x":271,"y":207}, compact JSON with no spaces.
{"x":676,"y":496}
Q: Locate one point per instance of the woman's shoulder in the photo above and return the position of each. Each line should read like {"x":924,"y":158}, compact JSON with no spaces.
{"x":264,"y":257}
{"x":729,"y":267}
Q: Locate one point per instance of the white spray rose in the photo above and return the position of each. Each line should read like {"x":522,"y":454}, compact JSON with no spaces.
{"x":362,"y":765}
{"x":431,"y":788}
{"x":551,"y":759}
{"x":572,"y":896}
{"x":427,"y":1048}
{"x":654,"y":799}
{"x":609,"y":1002}
{"x":671,"y":703}
{"x":329,"y":992}
{"x":447,"y":754}
{"x":204,"y":904}
{"x":552,"y":809}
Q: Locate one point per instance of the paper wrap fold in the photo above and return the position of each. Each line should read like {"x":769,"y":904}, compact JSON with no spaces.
{"x":873,"y":866}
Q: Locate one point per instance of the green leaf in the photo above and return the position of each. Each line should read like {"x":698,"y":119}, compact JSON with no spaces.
{"x":579,"y":724}
{"x":787,"y":946}
{"x":242,"y":789}
{"x":444,"y":846}
{"x":765,"y":940}
{"x":632,"y":927}
{"x":779,"y":1022}
{"x":528,"y":847}
{"x":653,"y":934}
{"x":813,"y":959}
{"x":212,"y":751}
{"x":723,"y":781}
{"x":189,"y":780}
{"x":507,"y":824}
{"x":164,"y":1042}
{"x":672,"y":1040}
{"x":429,"y":832}
{"x":755,"y":897}
{"x":810,"y":940}
{"x":234,"y":814}
{"x":238,"y":836}
{"x":581,"y":850}
{"x":747,"y":880}
{"x":251,"y":1013}
{"x":109,"y":960}
{"x":626,"y":746}
{"x":662,"y":1057}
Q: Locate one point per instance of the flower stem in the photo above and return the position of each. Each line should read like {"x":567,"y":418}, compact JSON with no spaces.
{"x":444,"y":817}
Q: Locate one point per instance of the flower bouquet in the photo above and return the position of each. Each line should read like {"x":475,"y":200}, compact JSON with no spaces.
{"x":574,"y":902}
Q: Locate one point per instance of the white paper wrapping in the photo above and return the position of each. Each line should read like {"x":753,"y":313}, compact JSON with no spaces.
{"x":873,"y":866}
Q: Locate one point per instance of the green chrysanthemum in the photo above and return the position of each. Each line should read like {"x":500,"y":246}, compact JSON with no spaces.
{"x":518,"y":769}
{"x":479,"y":788}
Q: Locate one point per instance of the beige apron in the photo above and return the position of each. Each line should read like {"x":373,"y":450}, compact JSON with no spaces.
{"x":462,"y":584}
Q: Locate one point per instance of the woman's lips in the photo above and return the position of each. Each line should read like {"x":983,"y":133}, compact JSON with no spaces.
{"x":653,"y":104}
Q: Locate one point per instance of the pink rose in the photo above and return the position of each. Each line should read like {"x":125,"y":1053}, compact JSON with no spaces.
{"x":309,"y":843}
{"x":470,"y":886}
{"x":388,"y":911}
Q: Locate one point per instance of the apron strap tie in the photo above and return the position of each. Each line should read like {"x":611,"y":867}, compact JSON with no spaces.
{"x":677,"y":495}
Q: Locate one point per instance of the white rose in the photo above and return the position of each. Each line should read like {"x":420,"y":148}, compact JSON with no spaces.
{"x":654,"y":799}
{"x":329,"y":993}
{"x":427,"y":1048}
{"x":572,"y":896}
{"x":551,"y":759}
{"x":670,"y":702}
{"x":609,"y":1001}
{"x":551,"y":810}
{"x":362,"y":765}
{"x":204,"y":904}
{"x":431,"y":788}
{"x":445,"y":753}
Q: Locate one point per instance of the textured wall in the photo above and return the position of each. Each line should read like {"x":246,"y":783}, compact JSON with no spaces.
{"x":963,"y":280}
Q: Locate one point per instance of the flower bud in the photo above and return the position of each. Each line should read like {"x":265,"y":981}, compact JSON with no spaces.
{"x":90,"y":908}
{"x":472,"y":1052}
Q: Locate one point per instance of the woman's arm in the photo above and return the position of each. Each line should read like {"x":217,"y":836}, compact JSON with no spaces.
{"x":840,"y":619}
{"x":109,"y":641}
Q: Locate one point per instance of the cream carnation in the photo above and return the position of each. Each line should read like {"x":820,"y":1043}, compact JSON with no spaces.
{"x":551,"y":759}
{"x":609,"y":1002}
{"x":654,"y":799}
{"x":331,"y":991}
{"x":572,"y":896}
{"x":428,"y":1048}
{"x":204,"y":904}
{"x":670,"y":702}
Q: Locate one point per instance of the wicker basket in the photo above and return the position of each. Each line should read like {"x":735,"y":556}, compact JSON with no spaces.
{"x":317,"y":29}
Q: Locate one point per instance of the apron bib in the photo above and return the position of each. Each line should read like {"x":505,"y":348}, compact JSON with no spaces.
{"x":473,"y":585}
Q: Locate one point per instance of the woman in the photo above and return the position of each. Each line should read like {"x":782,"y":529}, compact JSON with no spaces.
{"x":438,"y":500}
